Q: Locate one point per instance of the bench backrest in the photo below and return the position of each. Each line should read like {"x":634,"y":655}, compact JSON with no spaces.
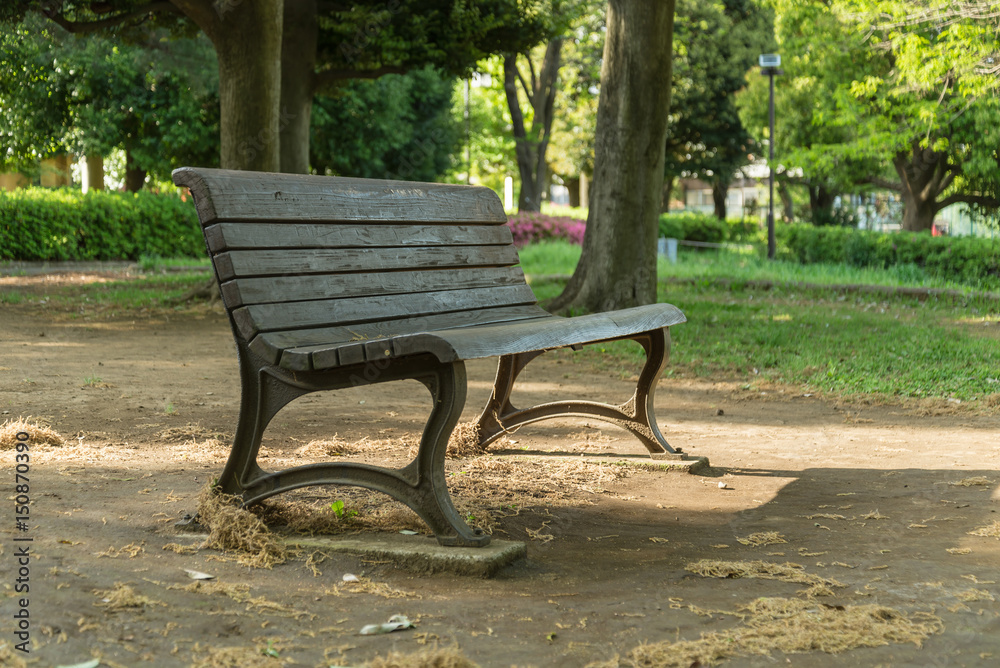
{"x":354,"y":257}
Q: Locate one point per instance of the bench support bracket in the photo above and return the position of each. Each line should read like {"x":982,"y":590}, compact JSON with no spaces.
{"x":421,"y":484}
{"x":635,"y":415}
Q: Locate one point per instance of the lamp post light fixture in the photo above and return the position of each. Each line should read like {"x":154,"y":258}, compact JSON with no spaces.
{"x":769,"y":64}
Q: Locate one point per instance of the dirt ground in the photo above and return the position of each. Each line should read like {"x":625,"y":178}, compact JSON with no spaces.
{"x":880,"y":499}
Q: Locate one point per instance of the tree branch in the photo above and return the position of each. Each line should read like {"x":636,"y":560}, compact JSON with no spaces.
{"x":879,"y":182}
{"x":528,"y":91}
{"x":203,"y":13}
{"x":959,"y":198}
{"x":110,"y":22}
{"x":327,"y":77}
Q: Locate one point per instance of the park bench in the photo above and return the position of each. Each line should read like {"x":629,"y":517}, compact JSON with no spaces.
{"x":332,"y":282}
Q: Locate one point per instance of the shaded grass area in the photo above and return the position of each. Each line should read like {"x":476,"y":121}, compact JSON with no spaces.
{"x":106,"y":295}
{"x":821,"y":340}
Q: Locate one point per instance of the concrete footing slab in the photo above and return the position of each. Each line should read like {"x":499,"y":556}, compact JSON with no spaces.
{"x":420,"y":554}
{"x":681,"y":464}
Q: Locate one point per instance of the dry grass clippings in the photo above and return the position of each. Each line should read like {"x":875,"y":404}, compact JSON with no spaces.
{"x":8,"y":658}
{"x":975,"y":481}
{"x":238,"y":592}
{"x":327,"y":447}
{"x":122,"y":597}
{"x":235,"y":529}
{"x":131,"y":551}
{"x":232,"y":657}
{"x":484,"y":489}
{"x":192,"y":433}
{"x":787,"y":572}
{"x":464,"y":441}
{"x":988,"y":531}
{"x":448,"y":657}
{"x":366,"y":586}
{"x":793,"y":626}
{"x":763,"y":538}
{"x":975,"y":595}
{"x":37,"y":434}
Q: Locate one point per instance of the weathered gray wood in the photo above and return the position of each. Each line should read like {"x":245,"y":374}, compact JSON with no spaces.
{"x":232,"y":264}
{"x":251,"y":320}
{"x":488,"y":340}
{"x":301,"y":350}
{"x":543,"y":334}
{"x":298,"y":342}
{"x":236,"y":236}
{"x":222,"y":195}
{"x":245,"y":291}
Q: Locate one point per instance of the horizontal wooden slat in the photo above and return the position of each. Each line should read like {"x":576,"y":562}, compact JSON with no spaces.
{"x":235,"y":236}
{"x":553,"y":332}
{"x":302,"y":342}
{"x":245,"y":291}
{"x":505,"y":336}
{"x":252,"y":320}
{"x":236,"y":195}
{"x":232,"y":264}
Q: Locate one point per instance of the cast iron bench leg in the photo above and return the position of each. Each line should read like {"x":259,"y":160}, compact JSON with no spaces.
{"x":421,"y":484}
{"x":636,"y":415}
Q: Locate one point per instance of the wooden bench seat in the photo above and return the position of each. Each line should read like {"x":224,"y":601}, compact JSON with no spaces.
{"x":334,"y":282}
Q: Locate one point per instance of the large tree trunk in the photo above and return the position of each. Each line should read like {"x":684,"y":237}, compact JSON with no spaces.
{"x":247,"y":39}
{"x":787,"y":206}
{"x":918,"y":215}
{"x":925,"y":175}
{"x":821,"y":204}
{"x":668,"y":190}
{"x":573,"y":186}
{"x":530,"y":148}
{"x":135,"y":176}
{"x":618,"y":266}
{"x":95,"y":172}
{"x":720,"y":189}
{"x":298,"y":66}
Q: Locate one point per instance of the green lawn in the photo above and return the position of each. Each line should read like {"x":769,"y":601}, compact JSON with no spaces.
{"x":819,"y":339}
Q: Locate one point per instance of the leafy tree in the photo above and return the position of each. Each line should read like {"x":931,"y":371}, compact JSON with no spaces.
{"x":715,"y":44}
{"x":571,"y":151}
{"x":61,"y":94}
{"x":34,"y":101}
{"x":618,"y":265}
{"x":398,"y":126}
{"x":275,"y":55}
{"x":489,"y":141}
{"x":819,"y":57}
{"x":537,"y":85}
{"x":892,"y":94}
{"x":932,"y":104}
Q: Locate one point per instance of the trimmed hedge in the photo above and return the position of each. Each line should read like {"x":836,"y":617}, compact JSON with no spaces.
{"x":691,"y":226}
{"x":65,"y":224}
{"x":965,"y":259}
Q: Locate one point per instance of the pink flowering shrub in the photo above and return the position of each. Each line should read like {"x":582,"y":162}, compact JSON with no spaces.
{"x":532,"y":227}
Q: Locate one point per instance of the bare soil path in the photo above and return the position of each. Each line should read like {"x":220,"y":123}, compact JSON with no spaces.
{"x":879,"y":499}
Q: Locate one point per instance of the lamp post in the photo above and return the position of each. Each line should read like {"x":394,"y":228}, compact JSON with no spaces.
{"x":769,"y":64}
